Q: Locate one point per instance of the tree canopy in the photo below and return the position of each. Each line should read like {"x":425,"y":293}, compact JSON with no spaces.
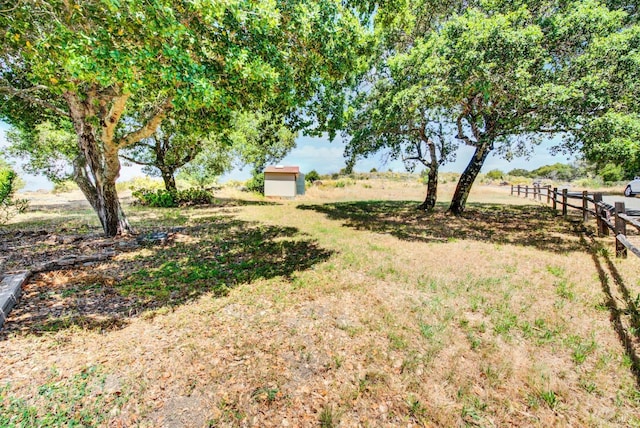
{"x":114,"y":69}
{"x":507,"y":75}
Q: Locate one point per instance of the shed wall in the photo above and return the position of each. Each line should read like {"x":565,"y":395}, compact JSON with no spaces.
{"x":283,"y":185}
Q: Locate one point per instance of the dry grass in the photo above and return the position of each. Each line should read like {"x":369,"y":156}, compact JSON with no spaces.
{"x":505,"y":316}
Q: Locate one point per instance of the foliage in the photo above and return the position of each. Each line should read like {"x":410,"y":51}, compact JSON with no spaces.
{"x":312,"y":176}
{"x":495,"y":174}
{"x":211,"y":162}
{"x":115,"y":69}
{"x":172,"y":146}
{"x":506,"y":74}
{"x":611,"y":173}
{"x":9,"y":206}
{"x":49,"y":149}
{"x":601,"y":104}
{"x":613,"y":138}
{"x":162,"y":198}
{"x":519,"y":172}
{"x":260,"y":138}
{"x":557,"y":171}
{"x":256,"y":183}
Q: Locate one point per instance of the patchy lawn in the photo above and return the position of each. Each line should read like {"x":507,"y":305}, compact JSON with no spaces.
{"x":339,"y":309}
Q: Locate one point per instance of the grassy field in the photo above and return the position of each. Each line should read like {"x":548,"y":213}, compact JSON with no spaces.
{"x":346,"y":307}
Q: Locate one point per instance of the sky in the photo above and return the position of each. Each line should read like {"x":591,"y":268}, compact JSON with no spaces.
{"x":315,"y":153}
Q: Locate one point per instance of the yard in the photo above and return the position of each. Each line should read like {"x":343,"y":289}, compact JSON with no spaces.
{"x":345,"y":307}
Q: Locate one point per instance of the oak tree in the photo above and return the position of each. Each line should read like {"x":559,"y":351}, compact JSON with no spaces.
{"x":96,"y":62}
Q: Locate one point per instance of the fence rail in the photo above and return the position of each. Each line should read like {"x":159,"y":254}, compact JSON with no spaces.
{"x":609,"y":218}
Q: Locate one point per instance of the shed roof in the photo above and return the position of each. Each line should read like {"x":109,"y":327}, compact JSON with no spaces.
{"x":283,"y":169}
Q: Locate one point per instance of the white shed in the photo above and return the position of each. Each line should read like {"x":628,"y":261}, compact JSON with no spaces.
{"x":281,"y":181}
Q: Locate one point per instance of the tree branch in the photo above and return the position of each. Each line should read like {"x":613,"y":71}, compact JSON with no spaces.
{"x":112,"y":118}
{"x":148,"y":129}
{"x":132,"y":160}
{"x":461,"y":135}
{"x":26,"y":95}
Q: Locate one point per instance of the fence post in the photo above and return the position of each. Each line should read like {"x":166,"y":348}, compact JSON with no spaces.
{"x":585,"y":208}
{"x":548,"y":187}
{"x":539,"y":193}
{"x":555,"y":199}
{"x":564,"y":202}
{"x":512,"y":190}
{"x":526,"y":191}
{"x":621,"y":228}
{"x":518,"y":190}
{"x":602,"y":228}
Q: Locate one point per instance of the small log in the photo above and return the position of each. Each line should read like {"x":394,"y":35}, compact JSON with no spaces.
{"x":70,"y":260}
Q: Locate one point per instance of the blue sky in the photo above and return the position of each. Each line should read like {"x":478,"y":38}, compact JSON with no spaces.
{"x":327,"y":157}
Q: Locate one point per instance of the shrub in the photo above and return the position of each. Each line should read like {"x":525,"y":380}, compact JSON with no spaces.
{"x":519,"y":172}
{"x":495,"y":174}
{"x":8,"y":205}
{"x":256,"y":183}
{"x":343,"y":183}
{"x":611,"y":173}
{"x":589,"y":183}
{"x":557,"y":171}
{"x":162,"y":198}
{"x":312,"y":176}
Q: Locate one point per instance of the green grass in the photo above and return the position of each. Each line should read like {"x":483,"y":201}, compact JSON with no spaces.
{"x":73,"y":402}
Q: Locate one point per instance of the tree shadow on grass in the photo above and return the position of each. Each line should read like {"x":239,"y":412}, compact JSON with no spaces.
{"x":501,"y":224}
{"x":625,"y":320}
{"x":211,"y":257}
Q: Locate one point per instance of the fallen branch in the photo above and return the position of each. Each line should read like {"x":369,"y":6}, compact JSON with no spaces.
{"x":71,"y":260}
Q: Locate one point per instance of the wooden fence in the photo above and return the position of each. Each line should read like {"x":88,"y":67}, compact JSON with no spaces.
{"x":614,"y":218}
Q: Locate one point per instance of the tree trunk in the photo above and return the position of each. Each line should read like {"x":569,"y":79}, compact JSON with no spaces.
{"x":95,"y":172}
{"x":169,"y":181}
{"x":432,"y":189}
{"x":468,"y":177}
{"x":100,"y":191}
{"x":114,"y":222}
{"x":95,"y":115}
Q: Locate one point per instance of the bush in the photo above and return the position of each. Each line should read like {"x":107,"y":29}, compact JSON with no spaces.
{"x":612,"y":173}
{"x":162,"y":198}
{"x":557,"y":171}
{"x":343,"y":183}
{"x":519,"y":172}
{"x":8,"y":205}
{"x":495,"y":174}
{"x":589,"y":183}
{"x":256,"y":183}
{"x":312,"y":176}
